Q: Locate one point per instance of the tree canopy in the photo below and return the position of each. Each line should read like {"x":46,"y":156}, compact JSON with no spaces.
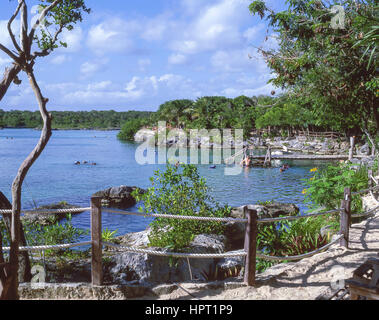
{"x":323,"y":68}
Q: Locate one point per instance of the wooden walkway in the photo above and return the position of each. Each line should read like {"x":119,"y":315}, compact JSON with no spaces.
{"x":302,"y":157}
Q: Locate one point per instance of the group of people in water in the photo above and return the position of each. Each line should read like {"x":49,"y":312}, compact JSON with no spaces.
{"x":85,"y":162}
{"x":284,"y":168}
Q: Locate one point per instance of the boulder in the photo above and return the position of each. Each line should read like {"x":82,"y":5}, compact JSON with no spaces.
{"x":235,"y":231}
{"x":49,"y":219}
{"x":127,"y":267}
{"x":118,"y":197}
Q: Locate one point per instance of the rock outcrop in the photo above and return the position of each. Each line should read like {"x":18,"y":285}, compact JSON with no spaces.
{"x":118,"y":197}
{"x":126,"y":267}
{"x":235,"y":231}
{"x":50,"y":219}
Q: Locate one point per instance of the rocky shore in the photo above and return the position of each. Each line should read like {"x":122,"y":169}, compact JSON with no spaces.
{"x":295,"y":144}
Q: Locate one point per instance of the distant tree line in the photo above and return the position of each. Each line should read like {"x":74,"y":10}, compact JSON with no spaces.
{"x":70,"y":119}
{"x":282,"y":115}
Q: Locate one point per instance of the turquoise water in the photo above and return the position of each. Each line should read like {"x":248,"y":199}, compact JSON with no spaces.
{"x":55,"y":178}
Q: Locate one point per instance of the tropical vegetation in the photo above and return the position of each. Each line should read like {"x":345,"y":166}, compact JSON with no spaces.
{"x":70,"y":119}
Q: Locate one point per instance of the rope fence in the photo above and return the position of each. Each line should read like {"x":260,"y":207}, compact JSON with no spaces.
{"x":250,"y":250}
{"x":238,"y":253}
{"x":168,"y":216}
{"x":52,"y":211}
{"x":50,"y":247}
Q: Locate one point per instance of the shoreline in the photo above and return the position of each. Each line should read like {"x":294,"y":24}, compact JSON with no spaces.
{"x":61,"y":129}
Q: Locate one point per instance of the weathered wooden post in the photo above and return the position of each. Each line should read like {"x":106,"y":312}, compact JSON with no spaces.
{"x":251,"y":246}
{"x":370,"y":178}
{"x":345,"y":218}
{"x":96,"y":238}
{"x":352,"y":146}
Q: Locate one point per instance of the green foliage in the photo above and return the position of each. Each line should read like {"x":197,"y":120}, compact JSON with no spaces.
{"x":130,"y":128}
{"x":58,"y":233}
{"x":71,"y":120}
{"x":326,"y":188}
{"x":108,"y":235}
{"x":62,"y":17}
{"x":180,"y":191}
{"x":324,"y":69}
{"x":291,"y":238}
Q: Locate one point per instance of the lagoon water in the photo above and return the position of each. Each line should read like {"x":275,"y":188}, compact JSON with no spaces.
{"x":54,"y":177}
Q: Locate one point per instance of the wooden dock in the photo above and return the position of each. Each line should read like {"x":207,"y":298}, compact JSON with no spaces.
{"x":302,"y":157}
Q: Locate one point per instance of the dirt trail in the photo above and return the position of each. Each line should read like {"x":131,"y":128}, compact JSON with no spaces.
{"x":320,"y":275}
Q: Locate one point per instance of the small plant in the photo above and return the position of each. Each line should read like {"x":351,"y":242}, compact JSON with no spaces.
{"x":59,"y":233}
{"x":108,"y":235}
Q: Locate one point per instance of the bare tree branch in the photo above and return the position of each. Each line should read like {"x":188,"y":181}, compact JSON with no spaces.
{"x":10,"y":76}
{"x":41,"y":17}
{"x":9,"y":53}
{"x":10,"y":27}
{"x":24,"y":39}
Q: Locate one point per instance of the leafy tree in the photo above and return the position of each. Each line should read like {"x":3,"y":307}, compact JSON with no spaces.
{"x":43,"y":36}
{"x":130,"y":128}
{"x":322,"y":65}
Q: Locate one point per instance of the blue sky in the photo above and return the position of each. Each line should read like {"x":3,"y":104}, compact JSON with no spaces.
{"x":135,"y":55}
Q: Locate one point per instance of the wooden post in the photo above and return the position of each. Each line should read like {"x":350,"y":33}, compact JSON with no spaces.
{"x":251,"y":246}
{"x":345,"y":219}
{"x":96,"y":238}
{"x":369,"y":178}
{"x":352,"y":146}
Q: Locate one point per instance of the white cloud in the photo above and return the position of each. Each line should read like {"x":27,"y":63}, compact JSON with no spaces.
{"x":59,"y":59}
{"x":99,"y":85}
{"x":238,"y":61}
{"x":254,"y":32}
{"x":73,"y":38}
{"x":113,"y":35}
{"x":216,"y":27}
{"x":89,"y":68}
{"x":177,"y":58}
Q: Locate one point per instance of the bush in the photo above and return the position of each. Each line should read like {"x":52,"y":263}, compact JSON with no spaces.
{"x":291,"y":238}
{"x":180,"y":191}
{"x":130,"y":128}
{"x":37,"y":235}
{"x":326,"y":188}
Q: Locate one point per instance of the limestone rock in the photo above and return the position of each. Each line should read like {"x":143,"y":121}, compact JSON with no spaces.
{"x":118,"y":197}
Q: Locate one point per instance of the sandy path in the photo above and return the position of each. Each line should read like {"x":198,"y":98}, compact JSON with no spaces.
{"x":321,"y":274}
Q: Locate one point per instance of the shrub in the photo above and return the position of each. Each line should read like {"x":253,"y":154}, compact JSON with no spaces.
{"x":130,"y":128}
{"x":37,"y":235}
{"x":180,"y":191}
{"x":326,"y":188}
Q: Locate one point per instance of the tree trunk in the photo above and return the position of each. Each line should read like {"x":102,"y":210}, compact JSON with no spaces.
{"x":10,"y":75}
{"x":24,"y":274}
{"x":18,"y":181}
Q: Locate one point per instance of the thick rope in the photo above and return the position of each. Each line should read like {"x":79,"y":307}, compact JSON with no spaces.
{"x":56,"y":211}
{"x":364,"y":191}
{"x":52,"y":247}
{"x":299,"y":257}
{"x":239,"y":253}
{"x":168,"y":216}
{"x":365,"y":214}
{"x":291,"y":218}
